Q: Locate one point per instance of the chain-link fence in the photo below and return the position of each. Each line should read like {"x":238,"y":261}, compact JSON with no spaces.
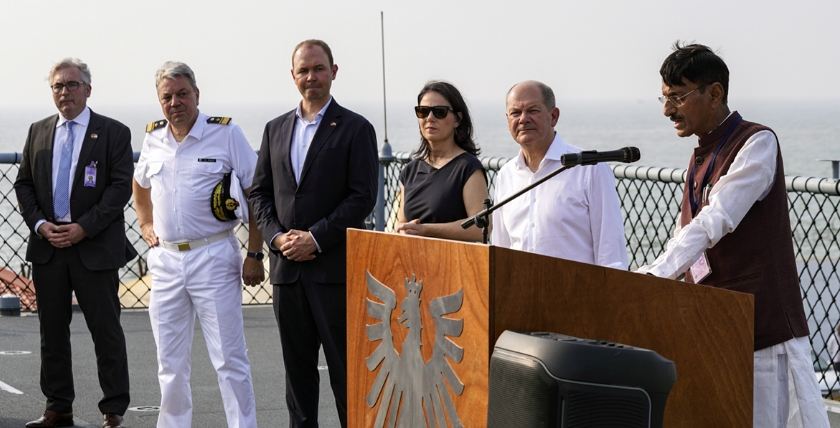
{"x":650,"y":201}
{"x":135,"y":282}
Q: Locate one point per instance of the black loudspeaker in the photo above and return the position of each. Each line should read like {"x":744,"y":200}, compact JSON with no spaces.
{"x":551,"y":380}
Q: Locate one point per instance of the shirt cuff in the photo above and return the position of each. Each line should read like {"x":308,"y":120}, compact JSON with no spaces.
{"x":38,"y":225}
{"x":661,"y":270}
{"x":316,"y":242}
{"x":643,"y":269}
{"x":271,"y":243}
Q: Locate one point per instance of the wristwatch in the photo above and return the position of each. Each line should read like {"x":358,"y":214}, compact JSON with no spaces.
{"x":257,"y":255}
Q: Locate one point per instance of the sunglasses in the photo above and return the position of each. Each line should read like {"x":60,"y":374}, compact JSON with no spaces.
{"x":440,"y":112}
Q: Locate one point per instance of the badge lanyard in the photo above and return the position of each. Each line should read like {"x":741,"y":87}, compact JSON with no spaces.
{"x":695,"y":201}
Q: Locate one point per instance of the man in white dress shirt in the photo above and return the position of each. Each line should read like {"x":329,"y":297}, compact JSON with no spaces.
{"x":734,"y":232}
{"x":576,"y":214}
{"x":833,"y":345}
{"x":195,"y":259}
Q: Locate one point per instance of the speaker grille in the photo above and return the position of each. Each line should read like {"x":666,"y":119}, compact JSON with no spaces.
{"x":521,"y":393}
{"x":599,"y":409}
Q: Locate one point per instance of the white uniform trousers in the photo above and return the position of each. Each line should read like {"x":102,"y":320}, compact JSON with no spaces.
{"x":205,"y":281}
{"x":785,"y":390}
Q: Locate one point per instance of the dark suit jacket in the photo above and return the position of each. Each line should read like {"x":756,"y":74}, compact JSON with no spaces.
{"x":98,"y":210}
{"x":337,"y":190}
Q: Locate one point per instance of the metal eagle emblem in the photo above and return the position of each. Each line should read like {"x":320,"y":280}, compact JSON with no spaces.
{"x":414,"y":390}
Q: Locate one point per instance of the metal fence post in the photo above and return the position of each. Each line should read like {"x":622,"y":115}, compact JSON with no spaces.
{"x":835,"y":167}
{"x":385,"y":158}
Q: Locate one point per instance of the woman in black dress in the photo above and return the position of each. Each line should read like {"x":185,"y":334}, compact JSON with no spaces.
{"x":445,"y":183}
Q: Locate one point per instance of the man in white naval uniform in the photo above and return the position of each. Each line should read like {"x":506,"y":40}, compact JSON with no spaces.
{"x":195,"y":259}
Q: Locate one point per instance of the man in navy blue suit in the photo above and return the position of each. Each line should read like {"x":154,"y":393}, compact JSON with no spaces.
{"x":316,"y":176}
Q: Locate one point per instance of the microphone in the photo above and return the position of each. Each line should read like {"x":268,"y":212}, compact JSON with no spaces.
{"x":591,"y":157}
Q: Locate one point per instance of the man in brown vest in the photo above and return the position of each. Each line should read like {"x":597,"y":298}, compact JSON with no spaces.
{"x":734,"y":232}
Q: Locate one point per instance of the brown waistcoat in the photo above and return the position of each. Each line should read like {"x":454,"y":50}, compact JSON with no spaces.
{"x":757,"y":257}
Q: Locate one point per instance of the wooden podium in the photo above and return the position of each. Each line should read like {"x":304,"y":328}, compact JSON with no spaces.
{"x":707,"y":332}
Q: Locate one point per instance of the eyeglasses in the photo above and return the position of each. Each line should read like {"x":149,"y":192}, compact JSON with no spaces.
{"x":71,"y":86}
{"x":676,"y":101}
{"x":440,"y":112}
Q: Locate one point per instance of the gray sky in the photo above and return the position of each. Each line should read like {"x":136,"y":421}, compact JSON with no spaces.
{"x":241,"y":51}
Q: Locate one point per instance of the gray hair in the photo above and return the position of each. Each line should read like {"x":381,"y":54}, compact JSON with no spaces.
{"x":548,"y":99}
{"x":71,"y":62}
{"x":173,"y":69}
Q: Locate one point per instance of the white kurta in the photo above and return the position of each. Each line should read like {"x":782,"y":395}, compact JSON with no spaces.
{"x":783,"y":379}
{"x":575,"y":215}
{"x":205,"y":281}
{"x":749,"y":179}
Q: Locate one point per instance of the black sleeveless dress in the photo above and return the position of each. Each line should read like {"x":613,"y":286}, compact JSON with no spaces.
{"x":437,"y":195}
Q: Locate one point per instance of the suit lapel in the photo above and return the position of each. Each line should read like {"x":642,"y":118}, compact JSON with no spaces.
{"x":88,"y":143}
{"x":49,"y":144}
{"x":329,"y":122}
{"x":285,"y":152}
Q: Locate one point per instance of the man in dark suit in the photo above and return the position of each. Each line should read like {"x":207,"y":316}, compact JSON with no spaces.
{"x":73,"y":183}
{"x":316,"y":176}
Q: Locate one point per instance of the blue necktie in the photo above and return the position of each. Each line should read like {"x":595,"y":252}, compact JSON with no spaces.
{"x":61,"y":201}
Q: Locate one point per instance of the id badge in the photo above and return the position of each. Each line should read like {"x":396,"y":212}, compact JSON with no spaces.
{"x":701,"y":269}
{"x":90,"y":175}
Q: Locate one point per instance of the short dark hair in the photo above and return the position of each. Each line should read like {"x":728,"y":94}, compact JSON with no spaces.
{"x":314,"y":42}
{"x":696,"y":63}
{"x":464,"y":137}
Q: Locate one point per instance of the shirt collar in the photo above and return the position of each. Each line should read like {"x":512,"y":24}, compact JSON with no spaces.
{"x":723,"y":121}
{"x":196,"y":132}
{"x":317,"y":116}
{"x":198,"y":127}
{"x":557,"y":148}
{"x":82,"y":119}
{"x":716,"y":134}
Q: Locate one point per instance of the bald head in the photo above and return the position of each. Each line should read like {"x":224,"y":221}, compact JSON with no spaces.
{"x":547,"y":95}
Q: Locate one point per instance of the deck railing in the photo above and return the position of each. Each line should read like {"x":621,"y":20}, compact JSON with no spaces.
{"x":650,"y":200}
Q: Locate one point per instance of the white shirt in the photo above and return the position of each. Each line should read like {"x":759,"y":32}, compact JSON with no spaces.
{"x":575,"y":215}
{"x":302,"y":138}
{"x":749,"y":179}
{"x":80,"y":125}
{"x":833,"y":346}
{"x":182,"y":179}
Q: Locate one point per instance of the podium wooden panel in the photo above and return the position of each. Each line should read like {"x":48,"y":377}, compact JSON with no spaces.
{"x":707,"y":332}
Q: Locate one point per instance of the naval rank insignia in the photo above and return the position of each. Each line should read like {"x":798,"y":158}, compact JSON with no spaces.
{"x":414,"y":391}
{"x":155,"y":125}
{"x":219,"y":120}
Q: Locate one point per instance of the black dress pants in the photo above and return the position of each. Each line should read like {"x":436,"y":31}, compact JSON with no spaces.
{"x":310,"y":314}
{"x":96,"y":293}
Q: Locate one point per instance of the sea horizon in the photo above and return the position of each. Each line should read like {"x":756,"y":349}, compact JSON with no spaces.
{"x":807,"y":129}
